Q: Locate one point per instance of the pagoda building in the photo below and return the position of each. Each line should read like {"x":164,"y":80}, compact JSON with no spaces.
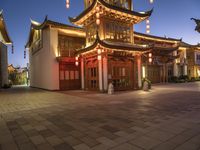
{"x":110,"y":54}
{"x":4,"y":41}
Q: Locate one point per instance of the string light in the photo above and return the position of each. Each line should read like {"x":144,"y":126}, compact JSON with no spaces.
{"x":147,"y":26}
{"x":67,"y":4}
{"x":12,"y":48}
{"x":151,"y":1}
{"x":24,"y":52}
{"x":98,"y":16}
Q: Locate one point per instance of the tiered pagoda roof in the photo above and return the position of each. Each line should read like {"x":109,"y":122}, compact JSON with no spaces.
{"x":118,"y":46}
{"x":3,"y":29}
{"x":111,"y":11}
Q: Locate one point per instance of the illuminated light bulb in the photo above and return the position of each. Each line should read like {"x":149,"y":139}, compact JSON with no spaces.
{"x":99,"y":57}
{"x":76,"y":63}
{"x":147,"y":21}
{"x":99,"y":51}
{"x":148,"y":31}
{"x":97,"y":15}
{"x":148,"y":26}
{"x":151,"y":1}
{"x":76,"y":58}
{"x":67,"y":4}
{"x":98,"y":21}
{"x":97,"y":9}
{"x":150,"y":55}
{"x":150,"y":60}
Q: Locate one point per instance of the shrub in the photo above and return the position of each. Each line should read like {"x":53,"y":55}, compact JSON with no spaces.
{"x":148,"y":81}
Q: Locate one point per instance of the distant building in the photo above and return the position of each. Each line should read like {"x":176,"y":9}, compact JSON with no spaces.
{"x":18,"y":75}
{"x":103,"y":49}
{"x":4,"y":41}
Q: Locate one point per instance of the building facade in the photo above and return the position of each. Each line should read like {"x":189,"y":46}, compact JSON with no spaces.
{"x":104,"y":49}
{"x":4,"y":41}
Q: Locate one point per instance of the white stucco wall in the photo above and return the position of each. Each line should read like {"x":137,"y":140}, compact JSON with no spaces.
{"x":4,"y":64}
{"x":44,"y":69}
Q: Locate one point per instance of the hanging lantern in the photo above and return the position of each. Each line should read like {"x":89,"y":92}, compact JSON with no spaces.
{"x":76,"y":63}
{"x":147,"y":26}
{"x":24,"y":54}
{"x":151,"y":1}
{"x":150,"y":57}
{"x":67,"y":4}
{"x":98,"y":21}
{"x":76,"y":60}
{"x":12,"y":49}
{"x":98,"y":16}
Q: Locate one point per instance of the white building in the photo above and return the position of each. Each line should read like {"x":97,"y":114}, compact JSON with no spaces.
{"x":4,"y":41}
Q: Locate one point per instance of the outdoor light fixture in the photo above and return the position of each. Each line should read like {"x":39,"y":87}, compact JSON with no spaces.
{"x":98,"y":16}
{"x":150,"y":57}
{"x":67,"y":4}
{"x":12,"y":48}
{"x":151,"y":1}
{"x":143,"y":72}
{"x":76,"y":60}
{"x":147,"y":26}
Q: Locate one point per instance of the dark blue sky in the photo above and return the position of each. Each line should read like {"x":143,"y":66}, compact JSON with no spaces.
{"x":170,"y":18}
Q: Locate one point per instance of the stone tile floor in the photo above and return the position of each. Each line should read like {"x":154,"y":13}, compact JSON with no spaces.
{"x":166,"y":118}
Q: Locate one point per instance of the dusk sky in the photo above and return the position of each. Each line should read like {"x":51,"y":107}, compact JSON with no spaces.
{"x":170,"y":18}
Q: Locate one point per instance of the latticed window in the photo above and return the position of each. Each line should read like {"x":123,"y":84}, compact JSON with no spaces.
{"x":117,"y":32}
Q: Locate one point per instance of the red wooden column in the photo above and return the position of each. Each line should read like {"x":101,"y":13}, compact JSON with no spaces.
{"x":82,"y":74}
{"x":139,"y":67}
{"x":105,"y":73}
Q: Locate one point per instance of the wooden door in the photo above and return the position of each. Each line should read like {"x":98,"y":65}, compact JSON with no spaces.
{"x":69,"y":76}
{"x":92,"y":75}
{"x":121,"y":74}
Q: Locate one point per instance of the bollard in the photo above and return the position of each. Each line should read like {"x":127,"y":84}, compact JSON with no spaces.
{"x":110,"y":89}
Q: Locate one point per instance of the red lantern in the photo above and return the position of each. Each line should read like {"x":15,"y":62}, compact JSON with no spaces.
{"x":12,"y":49}
{"x":67,"y":4}
{"x":24,"y":54}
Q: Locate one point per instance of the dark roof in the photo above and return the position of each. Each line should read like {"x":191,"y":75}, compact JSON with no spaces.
{"x":3,"y":29}
{"x":197,"y":21}
{"x":157,"y":37}
{"x":164,"y":50}
{"x":184,"y":44}
{"x":115,"y":45}
{"x":47,"y":23}
{"x":130,"y":12}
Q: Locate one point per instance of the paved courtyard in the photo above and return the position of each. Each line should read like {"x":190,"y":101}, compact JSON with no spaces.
{"x":166,"y":118}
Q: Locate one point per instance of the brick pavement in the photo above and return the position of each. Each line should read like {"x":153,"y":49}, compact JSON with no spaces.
{"x":166,"y":118}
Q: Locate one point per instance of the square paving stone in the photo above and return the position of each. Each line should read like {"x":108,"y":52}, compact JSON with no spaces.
{"x":126,"y":146}
{"x":160,"y":135}
{"x":72,"y":140}
{"x":46,"y":133}
{"x":82,"y":147}
{"x":45,"y":146}
{"x":145,"y":142}
{"x":110,"y":128}
{"x":32,"y":132}
{"x":27,"y":146}
{"x":63,"y":146}
{"x":21,"y":139}
{"x":37,"y":139}
{"x":54,"y":140}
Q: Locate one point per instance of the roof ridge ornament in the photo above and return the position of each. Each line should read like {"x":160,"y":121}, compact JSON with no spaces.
{"x":197,"y":21}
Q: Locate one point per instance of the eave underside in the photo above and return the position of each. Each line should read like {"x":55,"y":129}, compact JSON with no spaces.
{"x":110,"y":11}
{"x":3,"y":30}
